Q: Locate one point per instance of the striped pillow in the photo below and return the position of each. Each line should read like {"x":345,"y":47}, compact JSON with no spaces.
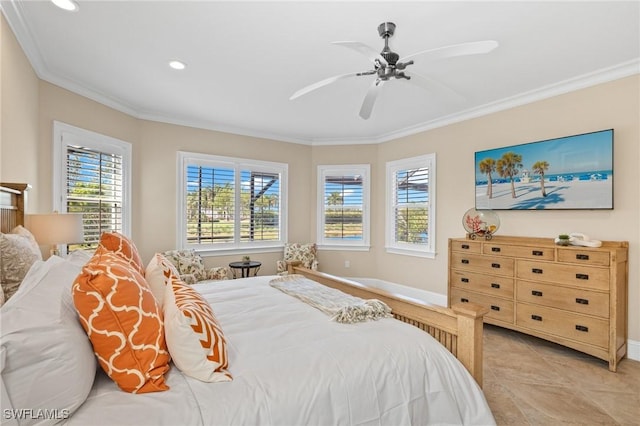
{"x":123,"y":322}
{"x":194,"y":337}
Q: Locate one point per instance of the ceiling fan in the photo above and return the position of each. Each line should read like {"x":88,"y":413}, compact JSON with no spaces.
{"x":388,"y":65}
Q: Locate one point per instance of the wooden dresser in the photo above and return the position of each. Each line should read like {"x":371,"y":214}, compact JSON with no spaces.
{"x":574,"y":296}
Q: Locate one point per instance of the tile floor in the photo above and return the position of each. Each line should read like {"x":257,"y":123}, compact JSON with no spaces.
{"x":529,"y":381}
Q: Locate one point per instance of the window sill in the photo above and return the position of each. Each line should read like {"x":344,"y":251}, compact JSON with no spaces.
{"x":415,"y":253}
{"x":211,"y":252}
{"x":343,"y":247}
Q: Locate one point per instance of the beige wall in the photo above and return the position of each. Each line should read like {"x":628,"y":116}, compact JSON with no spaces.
{"x":362,"y":264}
{"x":19,"y":103}
{"x":611,"y":105}
{"x":29,"y":110}
{"x":156,"y":216}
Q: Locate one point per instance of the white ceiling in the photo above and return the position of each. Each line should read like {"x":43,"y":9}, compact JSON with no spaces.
{"x":245,"y":59}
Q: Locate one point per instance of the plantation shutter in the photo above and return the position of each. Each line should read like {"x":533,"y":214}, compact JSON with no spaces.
{"x":260,"y":219}
{"x":343,"y":207}
{"x":230,"y":204}
{"x":411,"y":198}
{"x":94,"y":187}
{"x":211,"y":205}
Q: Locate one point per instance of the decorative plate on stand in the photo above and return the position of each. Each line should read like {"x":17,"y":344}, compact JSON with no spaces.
{"x":480,"y":223}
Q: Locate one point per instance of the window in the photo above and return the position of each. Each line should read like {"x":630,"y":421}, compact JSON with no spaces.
{"x":229,"y":204}
{"x":411,"y":208}
{"x":92,"y":176}
{"x":343,"y":207}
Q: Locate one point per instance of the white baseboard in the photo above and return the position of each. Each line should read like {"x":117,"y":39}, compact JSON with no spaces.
{"x":633,"y":350}
{"x":412,"y":292}
{"x":633,"y":347}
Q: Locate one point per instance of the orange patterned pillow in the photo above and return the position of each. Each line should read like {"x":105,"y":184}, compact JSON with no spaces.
{"x":123,"y":322}
{"x":194,"y":337}
{"x":123,"y":246}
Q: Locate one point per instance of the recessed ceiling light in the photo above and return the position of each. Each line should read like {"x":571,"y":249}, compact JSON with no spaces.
{"x":69,"y":5}
{"x":177,"y":65}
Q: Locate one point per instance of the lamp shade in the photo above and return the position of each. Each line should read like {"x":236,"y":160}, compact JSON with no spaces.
{"x":56,"y":228}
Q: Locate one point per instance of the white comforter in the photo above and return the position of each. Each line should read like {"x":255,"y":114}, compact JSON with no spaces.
{"x":292,"y":366}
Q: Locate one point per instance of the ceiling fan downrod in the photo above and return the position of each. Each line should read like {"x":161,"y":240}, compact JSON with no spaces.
{"x":393,"y":67}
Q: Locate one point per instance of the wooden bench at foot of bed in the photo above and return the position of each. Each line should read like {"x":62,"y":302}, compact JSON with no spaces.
{"x":458,"y":328}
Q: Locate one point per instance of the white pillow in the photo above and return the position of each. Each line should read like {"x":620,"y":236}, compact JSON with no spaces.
{"x":49,"y":362}
{"x":158,"y":275}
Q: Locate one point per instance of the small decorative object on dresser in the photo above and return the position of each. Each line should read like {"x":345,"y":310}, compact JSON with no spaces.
{"x":563,"y":240}
{"x":480,"y":223}
{"x":572,"y":295}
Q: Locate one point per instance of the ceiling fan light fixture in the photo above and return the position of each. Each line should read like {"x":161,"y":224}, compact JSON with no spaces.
{"x":68,"y":5}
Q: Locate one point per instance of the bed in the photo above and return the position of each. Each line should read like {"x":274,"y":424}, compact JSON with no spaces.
{"x":290,"y":363}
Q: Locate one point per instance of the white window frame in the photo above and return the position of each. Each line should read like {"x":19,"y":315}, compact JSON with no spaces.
{"x":363,"y":170}
{"x":403,"y":248}
{"x":237,"y":164}
{"x":65,"y":135}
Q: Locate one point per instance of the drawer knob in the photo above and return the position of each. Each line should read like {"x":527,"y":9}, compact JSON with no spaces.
{"x":536,"y":270}
{"x":464,"y":280}
{"x":494,"y":285}
{"x":536,"y":293}
{"x":464,"y":300}
{"x":465,"y":246}
{"x":582,"y":328}
{"x":495,"y":308}
{"x":495,"y":249}
{"x":465,"y":261}
{"x":495,"y":265}
{"x":536,"y":317}
{"x":582,"y":301}
{"x":582,"y":276}
{"x":582,"y":256}
{"x":537,"y":253}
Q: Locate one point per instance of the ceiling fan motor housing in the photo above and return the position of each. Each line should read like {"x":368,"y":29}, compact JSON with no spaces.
{"x":386,"y":29}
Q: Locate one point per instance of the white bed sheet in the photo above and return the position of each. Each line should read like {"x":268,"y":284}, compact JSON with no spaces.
{"x":292,"y":366}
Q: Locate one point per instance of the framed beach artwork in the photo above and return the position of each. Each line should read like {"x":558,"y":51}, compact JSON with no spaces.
{"x":571,"y":172}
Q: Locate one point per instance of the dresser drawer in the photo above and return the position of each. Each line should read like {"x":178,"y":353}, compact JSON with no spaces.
{"x":480,"y":263}
{"x":567,"y":298}
{"x":466,"y":246}
{"x":569,"y":325}
{"x":584,"y":256}
{"x":491,"y":285}
{"x":578,"y":275}
{"x":526,"y":252}
{"x":499,"y":309}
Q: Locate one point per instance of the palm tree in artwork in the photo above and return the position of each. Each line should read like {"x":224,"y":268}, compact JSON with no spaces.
{"x":487,"y":166}
{"x":509,"y":165}
{"x":539,"y":168}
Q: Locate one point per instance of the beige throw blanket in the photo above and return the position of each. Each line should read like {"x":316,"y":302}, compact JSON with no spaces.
{"x":340,"y":306}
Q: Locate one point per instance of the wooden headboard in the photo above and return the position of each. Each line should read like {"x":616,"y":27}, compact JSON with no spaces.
{"x":13,"y":203}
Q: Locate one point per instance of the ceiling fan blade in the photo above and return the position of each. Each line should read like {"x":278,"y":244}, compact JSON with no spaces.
{"x":370,"y":99}
{"x":435,"y":87}
{"x":320,"y":84}
{"x":367,"y":51}
{"x":463,"y":49}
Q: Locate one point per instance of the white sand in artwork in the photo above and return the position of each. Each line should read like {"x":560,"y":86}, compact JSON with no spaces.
{"x":576,"y":194}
